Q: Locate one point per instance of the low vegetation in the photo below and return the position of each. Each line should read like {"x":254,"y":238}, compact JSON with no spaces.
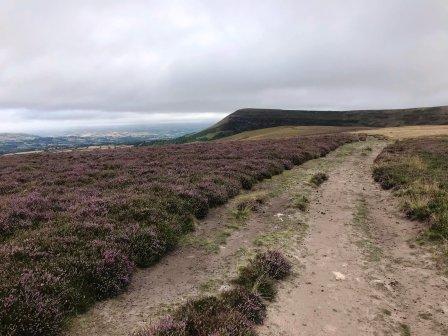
{"x":233,"y":312}
{"x":73,"y":226}
{"x":301,"y":202}
{"x":245,"y":204}
{"x":318,"y":178}
{"x":407,"y":132}
{"x":283,"y":132}
{"x":417,"y":169}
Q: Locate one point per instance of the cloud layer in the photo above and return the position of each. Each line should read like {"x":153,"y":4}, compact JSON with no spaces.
{"x":77,"y":60}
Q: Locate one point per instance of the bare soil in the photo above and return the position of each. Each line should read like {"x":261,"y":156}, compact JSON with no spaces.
{"x":363,"y":272}
{"x":358,"y":269}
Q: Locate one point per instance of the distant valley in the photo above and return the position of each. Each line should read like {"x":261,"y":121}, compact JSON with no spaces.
{"x":21,"y":142}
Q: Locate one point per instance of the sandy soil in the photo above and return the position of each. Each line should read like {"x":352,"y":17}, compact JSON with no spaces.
{"x":357,"y":268}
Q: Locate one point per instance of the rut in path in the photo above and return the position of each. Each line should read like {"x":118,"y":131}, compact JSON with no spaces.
{"x":362,"y":274}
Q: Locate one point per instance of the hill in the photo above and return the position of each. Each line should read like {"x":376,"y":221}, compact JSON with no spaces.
{"x":252,"y":119}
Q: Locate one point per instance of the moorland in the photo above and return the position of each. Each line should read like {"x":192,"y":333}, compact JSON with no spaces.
{"x":295,"y":224}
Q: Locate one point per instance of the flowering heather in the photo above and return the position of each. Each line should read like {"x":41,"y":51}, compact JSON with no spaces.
{"x":76,"y":224}
{"x":232,"y":313}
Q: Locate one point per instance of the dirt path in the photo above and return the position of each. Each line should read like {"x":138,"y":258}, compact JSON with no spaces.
{"x":355,"y":272}
{"x":362,"y":273}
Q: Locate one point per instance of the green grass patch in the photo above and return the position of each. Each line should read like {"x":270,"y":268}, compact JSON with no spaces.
{"x":405,"y":329}
{"x":300,"y":202}
{"x":361,"y":223}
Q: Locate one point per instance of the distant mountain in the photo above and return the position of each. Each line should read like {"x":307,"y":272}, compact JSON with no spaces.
{"x":16,"y":137}
{"x":252,"y":118}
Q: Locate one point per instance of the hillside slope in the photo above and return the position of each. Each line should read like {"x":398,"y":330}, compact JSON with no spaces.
{"x":252,"y":119}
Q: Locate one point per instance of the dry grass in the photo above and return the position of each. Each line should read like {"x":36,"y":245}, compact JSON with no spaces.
{"x":417,"y":169}
{"x":395,"y":133}
{"x":407,"y":132}
{"x":282,"y":132}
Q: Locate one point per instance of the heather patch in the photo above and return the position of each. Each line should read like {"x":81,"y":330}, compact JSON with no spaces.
{"x":233,"y":313}
{"x":86,"y":219}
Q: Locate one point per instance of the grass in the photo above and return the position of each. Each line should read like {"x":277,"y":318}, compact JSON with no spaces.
{"x":244,"y":204}
{"x":405,"y":329}
{"x":241,"y":208}
{"x":207,"y":244}
{"x":361,"y":222}
{"x":417,"y":171}
{"x":282,"y":132}
{"x":408,"y":132}
{"x":300,"y":202}
{"x":233,"y":312}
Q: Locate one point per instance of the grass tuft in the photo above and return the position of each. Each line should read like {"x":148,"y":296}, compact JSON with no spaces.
{"x":301,"y":202}
{"x":318,"y":178}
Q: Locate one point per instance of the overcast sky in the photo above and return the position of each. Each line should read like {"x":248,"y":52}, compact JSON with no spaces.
{"x":99,"y":62}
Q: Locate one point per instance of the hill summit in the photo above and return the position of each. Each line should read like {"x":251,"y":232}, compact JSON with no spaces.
{"x":248,"y":119}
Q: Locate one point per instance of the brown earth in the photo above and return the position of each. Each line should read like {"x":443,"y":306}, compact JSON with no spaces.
{"x":363,"y":273}
{"x":358,"y":270}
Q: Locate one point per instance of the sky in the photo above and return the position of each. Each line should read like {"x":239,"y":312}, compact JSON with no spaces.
{"x":102,"y":62}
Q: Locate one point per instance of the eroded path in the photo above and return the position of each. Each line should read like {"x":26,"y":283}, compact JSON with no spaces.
{"x":358,"y":270}
{"x":362,"y":273}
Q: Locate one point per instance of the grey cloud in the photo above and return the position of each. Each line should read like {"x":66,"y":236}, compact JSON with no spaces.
{"x":78,"y":60}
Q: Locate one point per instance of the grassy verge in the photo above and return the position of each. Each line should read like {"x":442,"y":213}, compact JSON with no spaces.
{"x":235,"y":311}
{"x":417,"y":171}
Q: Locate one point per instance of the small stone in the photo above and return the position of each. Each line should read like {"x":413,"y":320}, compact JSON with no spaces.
{"x":338,"y":275}
{"x":224,"y":288}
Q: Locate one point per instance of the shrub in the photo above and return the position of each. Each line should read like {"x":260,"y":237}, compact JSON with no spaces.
{"x":29,"y":309}
{"x":260,"y":274}
{"x":111,"y":273}
{"x":147,"y":246}
{"x":318,"y":178}
{"x":274,"y":264}
{"x":210,"y":315}
{"x":234,"y":312}
{"x":247,"y":303}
